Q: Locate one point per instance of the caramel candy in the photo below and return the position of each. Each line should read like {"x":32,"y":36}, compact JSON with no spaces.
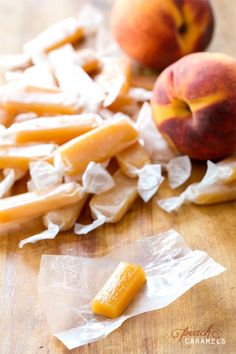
{"x":6,"y":116}
{"x":65,"y":218}
{"x":119,"y":290}
{"x":215,"y":193}
{"x":20,"y":156}
{"x":58,"y":129}
{"x":114,"y":203}
{"x":37,"y":100}
{"x":33,"y":204}
{"x":132,"y":159}
{"x":88,"y":59}
{"x":98,"y":145}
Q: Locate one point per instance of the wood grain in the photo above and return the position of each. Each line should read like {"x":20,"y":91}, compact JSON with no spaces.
{"x":23,"y":325}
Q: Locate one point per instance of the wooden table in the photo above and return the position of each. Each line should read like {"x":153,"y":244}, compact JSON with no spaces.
{"x":23,"y":325}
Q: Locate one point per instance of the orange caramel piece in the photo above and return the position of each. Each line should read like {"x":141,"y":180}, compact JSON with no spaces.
{"x":58,"y":129}
{"x":6,"y":116}
{"x":119,"y":290}
{"x":33,"y":204}
{"x":121,"y":102}
{"x":40,"y":101}
{"x":133,"y":158}
{"x":215,"y":193}
{"x":88,"y":59}
{"x":20,"y":156}
{"x":91,"y":66}
{"x":66,"y":217}
{"x":98,"y":145}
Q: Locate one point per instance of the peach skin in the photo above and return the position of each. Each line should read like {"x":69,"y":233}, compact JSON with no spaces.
{"x":194,"y":105}
{"x":158,"y":32}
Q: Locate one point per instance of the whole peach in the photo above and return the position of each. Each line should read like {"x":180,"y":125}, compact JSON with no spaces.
{"x":158,"y":32}
{"x":194,"y":105}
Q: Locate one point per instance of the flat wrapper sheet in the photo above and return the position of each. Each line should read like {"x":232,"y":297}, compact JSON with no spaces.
{"x":67,"y":284}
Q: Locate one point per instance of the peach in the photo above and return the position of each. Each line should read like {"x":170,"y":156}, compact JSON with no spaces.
{"x":158,"y":32}
{"x":194,"y":105}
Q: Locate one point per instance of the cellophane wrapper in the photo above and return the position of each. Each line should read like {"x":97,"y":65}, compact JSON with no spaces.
{"x":68,"y":284}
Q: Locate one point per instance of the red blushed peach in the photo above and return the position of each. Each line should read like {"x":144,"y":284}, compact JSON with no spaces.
{"x":194,"y":105}
{"x":158,"y":32}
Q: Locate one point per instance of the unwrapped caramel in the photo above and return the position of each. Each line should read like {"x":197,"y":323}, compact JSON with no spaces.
{"x":119,"y":290}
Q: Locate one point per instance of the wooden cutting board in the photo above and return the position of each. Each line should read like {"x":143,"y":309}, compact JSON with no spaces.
{"x":213,"y":229}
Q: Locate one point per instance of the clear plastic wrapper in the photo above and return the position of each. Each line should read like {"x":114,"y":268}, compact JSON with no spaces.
{"x":96,"y":179}
{"x":179,"y":170}
{"x":114,"y":78}
{"x":50,"y":233}
{"x":81,"y":229}
{"x":149,"y":180}
{"x":66,"y":290}
{"x":154,"y":143}
{"x":7,"y":182}
{"x":134,"y":162}
{"x":44,"y":176}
